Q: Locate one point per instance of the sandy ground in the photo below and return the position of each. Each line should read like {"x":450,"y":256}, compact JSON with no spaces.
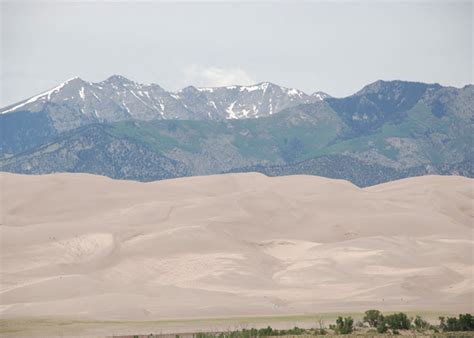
{"x":84,"y":246}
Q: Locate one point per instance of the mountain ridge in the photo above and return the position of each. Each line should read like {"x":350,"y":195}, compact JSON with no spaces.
{"x":387,"y":130}
{"x":121,"y":80}
{"x":118,"y":98}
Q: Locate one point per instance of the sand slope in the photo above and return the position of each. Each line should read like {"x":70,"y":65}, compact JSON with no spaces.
{"x":230,"y":245}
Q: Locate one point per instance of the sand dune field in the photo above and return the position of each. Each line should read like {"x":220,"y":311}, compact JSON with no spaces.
{"x":232,"y":245}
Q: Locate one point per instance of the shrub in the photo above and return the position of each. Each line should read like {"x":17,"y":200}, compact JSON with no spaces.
{"x":321,"y":331}
{"x":268,"y":331}
{"x":421,"y":324}
{"x":382,"y":327}
{"x":465,"y":322}
{"x":373,"y":317}
{"x":344,"y":325}
{"x":398,"y":321}
{"x":295,"y":331}
{"x":442,"y":323}
{"x":253,"y":332}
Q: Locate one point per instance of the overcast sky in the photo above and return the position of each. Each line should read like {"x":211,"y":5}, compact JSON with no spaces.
{"x":332,"y":47}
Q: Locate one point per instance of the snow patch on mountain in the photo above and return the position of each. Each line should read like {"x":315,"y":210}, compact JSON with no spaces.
{"x":230,"y":111}
{"x":321,"y":96}
{"x":295,"y":92}
{"x":206,"y":89}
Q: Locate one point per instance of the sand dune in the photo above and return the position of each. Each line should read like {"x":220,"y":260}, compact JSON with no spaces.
{"x":229,"y":245}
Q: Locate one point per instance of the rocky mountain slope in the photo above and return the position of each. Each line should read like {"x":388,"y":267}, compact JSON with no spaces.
{"x":386,"y":131}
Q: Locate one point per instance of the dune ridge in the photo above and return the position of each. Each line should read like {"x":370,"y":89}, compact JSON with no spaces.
{"x":87,"y":246}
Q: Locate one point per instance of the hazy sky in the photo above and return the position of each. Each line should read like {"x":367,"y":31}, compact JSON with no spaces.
{"x":333,"y":47}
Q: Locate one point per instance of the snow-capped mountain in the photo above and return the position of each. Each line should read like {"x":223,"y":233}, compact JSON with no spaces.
{"x":238,"y":102}
{"x":114,"y":99}
{"x":118,"y":98}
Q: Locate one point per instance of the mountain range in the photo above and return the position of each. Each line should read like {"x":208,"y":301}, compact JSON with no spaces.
{"x":123,"y":129}
{"x":77,"y":102}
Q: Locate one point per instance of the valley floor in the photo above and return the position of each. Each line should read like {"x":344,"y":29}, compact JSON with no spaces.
{"x":63,"y":327}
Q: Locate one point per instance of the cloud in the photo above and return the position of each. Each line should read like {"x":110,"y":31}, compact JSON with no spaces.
{"x":215,"y":77}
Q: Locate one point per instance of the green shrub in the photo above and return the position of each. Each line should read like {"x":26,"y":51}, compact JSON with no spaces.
{"x":465,"y":322}
{"x":398,"y":321}
{"x":321,"y":331}
{"x":373,"y":317}
{"x":295,"y":331}
{"x":268,"y":331}
{"x":344,"y":325}
{"x":382,"y":327}
{"x":421,"y":324}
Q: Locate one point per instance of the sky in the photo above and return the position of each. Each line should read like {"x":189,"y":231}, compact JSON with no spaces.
{"x":335,"y":47}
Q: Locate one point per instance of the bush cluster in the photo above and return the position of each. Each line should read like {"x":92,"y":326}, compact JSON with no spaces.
{"x":248,"y":333}
{"x":345,"y":325}
{"x":394,"y":322}
{"x":400,"y":321}
{"x":465,"y":322}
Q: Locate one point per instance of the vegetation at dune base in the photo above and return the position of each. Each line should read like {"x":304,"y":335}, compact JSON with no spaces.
{"x":465,"y":322}
{"x":373,"y":323}
{"x":247,"y":333}
{"x":343,"y":325}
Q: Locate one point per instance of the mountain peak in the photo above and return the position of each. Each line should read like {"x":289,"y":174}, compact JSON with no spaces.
{"x":394,"y":85}
{"x":188,"y":90}
{"x":74,"y":81}
{"x":118,"y":79}
{"x":45,"y":96}
{"x":320,"y":95}
{"x":258,"y":86}
{"x":75,"y":78}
